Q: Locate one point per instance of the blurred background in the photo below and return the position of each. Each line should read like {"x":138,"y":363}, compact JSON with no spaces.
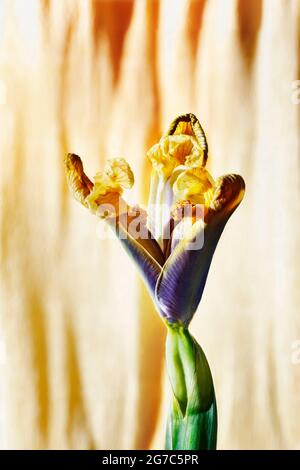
{"x":81,"y":347}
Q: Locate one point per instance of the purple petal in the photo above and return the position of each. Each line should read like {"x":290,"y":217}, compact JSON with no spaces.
{"x":146,"y":252}
{"x":181,"y":283}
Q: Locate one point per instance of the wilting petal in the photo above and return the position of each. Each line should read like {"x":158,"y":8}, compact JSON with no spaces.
{"x":172,"y":151}
{"x":182,"y":149}
{"x":180,"y":286}
{"x":107,"y":188}
{"x":188,"y":124}
{"x":228,"y":193}
{"x":79,"y":184}
{"x":116,"y":177}
{"x":104,"y":199}
{"x":192,"y":184}
{"x":145,"y":252}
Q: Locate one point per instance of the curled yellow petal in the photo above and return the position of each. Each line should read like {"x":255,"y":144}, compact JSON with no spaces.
{"x":79,"y":184}
{"x":193,"y":184}
{"x":195,"y":188}
{"x":182,"y":148}
{"x":188,"y":124}
{"x":184,"y":144}
{"x":173,"y":151}
{"x":110,"y":184}
{"x":118,"y":174}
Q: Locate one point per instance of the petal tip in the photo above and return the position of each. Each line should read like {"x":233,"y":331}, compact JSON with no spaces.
{"x":229,"y":192}
{"x":79,"y":184}
{"x":189,"y":124}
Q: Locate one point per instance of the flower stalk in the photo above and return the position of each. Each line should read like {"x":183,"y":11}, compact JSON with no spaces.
{"x":192,"y":422}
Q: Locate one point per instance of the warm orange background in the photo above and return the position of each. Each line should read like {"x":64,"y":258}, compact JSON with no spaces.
{"x":82,"y":348}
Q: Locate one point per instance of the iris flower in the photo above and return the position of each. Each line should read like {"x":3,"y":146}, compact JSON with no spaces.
{"x":172,"y":243}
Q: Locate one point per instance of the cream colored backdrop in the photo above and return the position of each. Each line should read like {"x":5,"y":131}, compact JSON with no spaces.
{"x":82,"y":348}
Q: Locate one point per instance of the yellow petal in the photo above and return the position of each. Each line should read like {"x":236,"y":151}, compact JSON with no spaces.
{"x":192,"y":184}
{"x":79,"y":184}
{"x":110,"y":184}
{"x":104,"y":196}
{"x":175,"y":150}
{"x":119,"y":173}
{"x":188,"y":124}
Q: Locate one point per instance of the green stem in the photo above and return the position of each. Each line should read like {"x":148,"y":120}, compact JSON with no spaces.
{"x":192,"y":423}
